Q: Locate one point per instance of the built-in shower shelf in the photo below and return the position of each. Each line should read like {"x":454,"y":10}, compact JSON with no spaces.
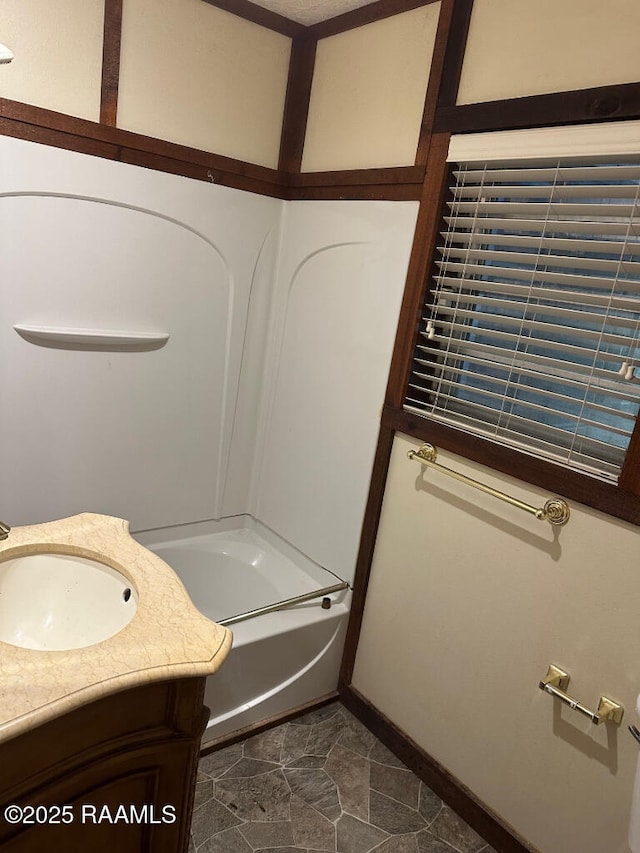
{"x":91,"y":338}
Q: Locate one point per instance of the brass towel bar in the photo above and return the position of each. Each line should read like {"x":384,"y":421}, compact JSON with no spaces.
{"x":555,"y":510}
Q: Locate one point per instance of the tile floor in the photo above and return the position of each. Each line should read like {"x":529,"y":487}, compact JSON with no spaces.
{"x":323,"y":783}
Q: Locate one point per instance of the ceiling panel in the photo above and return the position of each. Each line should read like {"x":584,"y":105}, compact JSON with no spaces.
{"x":311,"y":11}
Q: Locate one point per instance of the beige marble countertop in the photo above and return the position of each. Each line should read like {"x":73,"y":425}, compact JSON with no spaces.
{"x":167,"y":637}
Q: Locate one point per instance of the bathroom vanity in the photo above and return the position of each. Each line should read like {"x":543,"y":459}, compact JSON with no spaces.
{"x":116,"y":774}
{"x":100,"y":717}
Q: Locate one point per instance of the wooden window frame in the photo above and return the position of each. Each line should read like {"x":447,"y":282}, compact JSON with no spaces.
{"x":581,"y":106}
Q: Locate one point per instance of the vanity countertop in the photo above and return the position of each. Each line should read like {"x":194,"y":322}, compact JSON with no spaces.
{"x":167,"y":637}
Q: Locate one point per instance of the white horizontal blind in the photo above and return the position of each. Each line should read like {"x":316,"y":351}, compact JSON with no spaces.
{"x":531,"y":331}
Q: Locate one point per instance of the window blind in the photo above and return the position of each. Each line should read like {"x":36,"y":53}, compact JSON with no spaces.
{"x":530,"y":333}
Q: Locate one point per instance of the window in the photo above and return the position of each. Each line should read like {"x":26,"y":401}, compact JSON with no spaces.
{"x":530,"y":333}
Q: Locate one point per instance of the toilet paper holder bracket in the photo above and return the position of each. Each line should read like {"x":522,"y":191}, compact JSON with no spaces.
{"x":555,"y":683}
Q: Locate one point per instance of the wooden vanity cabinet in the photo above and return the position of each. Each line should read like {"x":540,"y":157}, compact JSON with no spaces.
{"x":125,"y":764}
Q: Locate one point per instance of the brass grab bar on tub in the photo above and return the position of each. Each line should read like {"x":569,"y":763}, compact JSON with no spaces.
{"x":555,"y":510}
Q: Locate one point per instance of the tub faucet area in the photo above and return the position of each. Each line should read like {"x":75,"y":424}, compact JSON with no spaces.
{"x":4,"y":530}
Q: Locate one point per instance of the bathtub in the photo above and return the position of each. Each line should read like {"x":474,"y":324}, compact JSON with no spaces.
{"x":279,"y":660}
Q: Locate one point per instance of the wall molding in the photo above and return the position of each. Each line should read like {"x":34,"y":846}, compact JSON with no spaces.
{"x":36,"y":124}
{"x":485,"y":822}
{"x":111,"y":39}
{"x":296,"y":106}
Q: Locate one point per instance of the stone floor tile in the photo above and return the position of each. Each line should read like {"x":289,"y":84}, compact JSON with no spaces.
{"x":210,"y":819}
{"x":282,"y":850}
{"x":452,"y":829}
{"x":392,"y":816}
{"x":295,"y":741}
{"x":249,"y":767}
{"x":402,"y":785}
{"x":382,"y":755}
{"x":217,"y":763}
{"x":350,"y":772}
{"x":266,"y":746}
{"x":229,"y":841}
{"x":357,"y":836}
{"x":204,"y":792}
{"x":429,"y":803}
{"x":325,"y":735}
{"x":317,"y":789}
{"x":263,"y":834}
{"x":399,"y":844}
{"x":428,"y":843}
{"x":356,"y":736}
{"x":308,"y":762}
{"x":311,"y":829}
{"x":258,"y":798}
{"x":192,"y":847}
{"x":320,"y":784}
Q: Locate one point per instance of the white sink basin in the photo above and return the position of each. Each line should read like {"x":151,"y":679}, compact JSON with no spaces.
{"x":55,"y":602}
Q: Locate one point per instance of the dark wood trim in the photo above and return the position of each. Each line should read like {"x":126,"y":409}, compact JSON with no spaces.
{"x":261,"y":16}
{"x":561,"y":481}
{"x":36,"y":124}
{"x":110,"y":61}
{"x":265,"y":725}
{"x":296,"y":108}
{"x":188,"y":169}
{"x":360,"y":177}
{"x":427,"y":228}
{"x":402,"y":183}
{"x":463,"y":801}
{"x":57,"y":139}
{"x":356,"y":192}
{"x":365,"y":15}
{"x":443,"y":34}
{"x":454,"y":53}
{"x":25,"y":121}
{"x":600,"y":103}
{"x":323,"y":29}
{"x":630,"y":474}
{"x":366,"y":549}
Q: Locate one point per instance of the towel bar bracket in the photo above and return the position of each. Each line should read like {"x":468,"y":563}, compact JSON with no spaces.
{"x":555,"y":683}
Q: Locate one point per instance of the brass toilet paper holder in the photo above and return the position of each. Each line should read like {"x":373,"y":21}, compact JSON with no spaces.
{"x":555,"y":684}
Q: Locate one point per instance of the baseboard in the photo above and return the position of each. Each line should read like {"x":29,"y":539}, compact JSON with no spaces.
{"x":498,"y":834}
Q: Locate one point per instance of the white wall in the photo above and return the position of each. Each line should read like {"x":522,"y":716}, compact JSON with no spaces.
{"x":266,"y":398}
{"x":91,"y":244}
{"x":339,"y":283}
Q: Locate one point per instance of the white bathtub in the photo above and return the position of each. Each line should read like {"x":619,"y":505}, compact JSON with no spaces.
{"x":279,"y":660}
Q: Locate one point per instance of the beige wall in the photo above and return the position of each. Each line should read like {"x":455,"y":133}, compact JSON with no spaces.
{"x":58,"y":54}
{"x":470,"y":600}
{"x":190,"y":73}
{"x":196,"y":75}
{"x":517,"y":47}
{"x":368,"y":93}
